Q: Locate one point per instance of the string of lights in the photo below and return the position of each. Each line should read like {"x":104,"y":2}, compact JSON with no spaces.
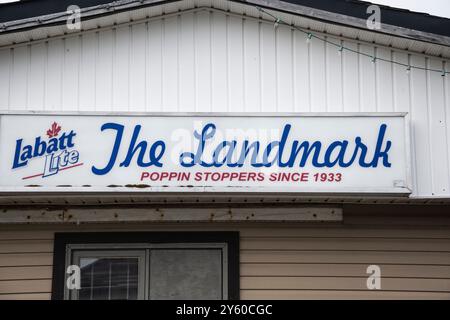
{"x":341,"y":48}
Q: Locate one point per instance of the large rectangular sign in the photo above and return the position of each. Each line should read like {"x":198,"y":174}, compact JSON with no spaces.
{"x":335,"y":153}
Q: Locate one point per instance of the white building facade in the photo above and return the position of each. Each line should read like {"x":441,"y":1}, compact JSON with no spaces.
{"x":232,"y":63}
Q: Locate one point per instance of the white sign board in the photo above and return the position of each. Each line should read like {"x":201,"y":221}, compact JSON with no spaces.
{"x":335,"y":153}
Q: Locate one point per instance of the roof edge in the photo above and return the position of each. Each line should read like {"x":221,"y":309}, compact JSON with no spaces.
{"x":345,"y":20}
{"x":117,"y":6}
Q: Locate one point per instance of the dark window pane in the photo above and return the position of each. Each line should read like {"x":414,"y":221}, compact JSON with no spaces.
{"x":186,"y":274}
{"x":86,"y":280}
{"x":109,"y":278}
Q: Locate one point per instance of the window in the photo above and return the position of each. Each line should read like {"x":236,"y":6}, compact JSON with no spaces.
{"x":130,"y":266}
{"x":108,"y":275}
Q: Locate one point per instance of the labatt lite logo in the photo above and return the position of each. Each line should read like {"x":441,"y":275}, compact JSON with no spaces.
{"x":56,"y":149}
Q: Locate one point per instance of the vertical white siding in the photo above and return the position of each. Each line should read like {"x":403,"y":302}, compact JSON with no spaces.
{"x":350,"y":79}
{"x":236,"y":83}
{"x":333,"y":77}
{"x":138,"y":64}
{"x":268,"y":71}
{"x":53,"y":76}
{"x":155,"y":66}
{"x":202,"y":54}
{"x":38,"y":65}
{"x":87,"y":72}
{"x":369,"y":87}
{"x":210,"y":61}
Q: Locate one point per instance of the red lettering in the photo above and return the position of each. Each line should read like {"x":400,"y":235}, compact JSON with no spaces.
{"x":144,"y":175}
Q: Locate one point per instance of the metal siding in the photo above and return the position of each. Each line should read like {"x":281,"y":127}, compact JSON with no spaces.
{"x":53,"y":76}
{"x":155,"y":66}
{"x":302,"y":71}
{"x":88,"y":59}
{"x":19,"y":78}
{"x":36,"y":83}
{"x":235,"y":65}
{"x":211,"y":61}
{"x":350,"y":80}
{"x":202,"y":56}
{"x":5,"y":77}
{"x":369,"y":87}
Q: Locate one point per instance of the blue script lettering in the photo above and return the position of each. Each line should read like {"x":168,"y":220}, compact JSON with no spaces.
{"x":41,"y":147}
{"x":155,"y":152}
{"x":300,"y":153}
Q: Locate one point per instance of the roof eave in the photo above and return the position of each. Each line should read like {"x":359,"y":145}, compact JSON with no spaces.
{"x":275,"y":5}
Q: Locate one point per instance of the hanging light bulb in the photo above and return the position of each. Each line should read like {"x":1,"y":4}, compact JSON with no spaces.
{"x":277,"y":23}
{"x":408,"y":69}
{"x":341,"y":48}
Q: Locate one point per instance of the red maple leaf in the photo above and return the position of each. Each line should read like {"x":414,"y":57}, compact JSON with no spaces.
{"x":54,"y":130}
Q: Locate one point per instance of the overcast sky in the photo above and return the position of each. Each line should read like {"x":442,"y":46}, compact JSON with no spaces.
{"x":434,"y":7}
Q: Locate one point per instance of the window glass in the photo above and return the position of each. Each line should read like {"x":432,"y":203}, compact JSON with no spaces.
{"x":108,"y":278}
{"x":149,"y":271}
{"x":186,"y":274}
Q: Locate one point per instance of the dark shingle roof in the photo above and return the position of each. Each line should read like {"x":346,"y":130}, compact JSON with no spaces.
{"x":389,"y":15}
{"x":393,"y":16}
